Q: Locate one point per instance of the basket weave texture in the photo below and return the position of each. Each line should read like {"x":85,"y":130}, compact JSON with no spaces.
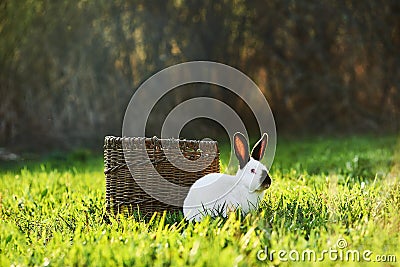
{"x":123,"y":193}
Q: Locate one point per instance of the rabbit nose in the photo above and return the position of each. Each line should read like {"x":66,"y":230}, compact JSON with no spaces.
{"x":266,"y":180}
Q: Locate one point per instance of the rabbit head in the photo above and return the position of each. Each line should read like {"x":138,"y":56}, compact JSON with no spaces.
{"x":252,"y":172}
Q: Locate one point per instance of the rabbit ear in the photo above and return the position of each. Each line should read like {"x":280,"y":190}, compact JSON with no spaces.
{"x":259,"y":148}
{"x":241,"y":149}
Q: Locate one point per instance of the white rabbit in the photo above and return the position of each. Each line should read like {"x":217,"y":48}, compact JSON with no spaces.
{"x":217,"y":193}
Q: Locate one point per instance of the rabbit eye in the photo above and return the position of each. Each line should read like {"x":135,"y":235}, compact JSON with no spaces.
{"x":253,"y":170}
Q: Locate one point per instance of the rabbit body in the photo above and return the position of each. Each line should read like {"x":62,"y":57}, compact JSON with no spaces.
{"x":218,"y":194}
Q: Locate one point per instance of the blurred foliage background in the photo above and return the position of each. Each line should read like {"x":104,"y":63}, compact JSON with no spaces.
{"x":69,"y":68}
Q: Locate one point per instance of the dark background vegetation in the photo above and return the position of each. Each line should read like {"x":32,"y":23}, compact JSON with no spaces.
{"x":69,"y":68}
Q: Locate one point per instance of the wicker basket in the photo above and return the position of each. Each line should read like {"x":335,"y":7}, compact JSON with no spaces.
{"x":123,"y":193}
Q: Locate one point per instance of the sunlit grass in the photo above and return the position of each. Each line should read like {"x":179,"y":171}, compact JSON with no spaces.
{"x":324,"y":190}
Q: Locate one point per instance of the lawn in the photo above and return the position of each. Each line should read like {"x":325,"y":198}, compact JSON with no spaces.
{"x":331,"y":201}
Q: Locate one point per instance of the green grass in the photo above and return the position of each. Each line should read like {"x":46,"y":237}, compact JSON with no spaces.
{"x":324,"y":190}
